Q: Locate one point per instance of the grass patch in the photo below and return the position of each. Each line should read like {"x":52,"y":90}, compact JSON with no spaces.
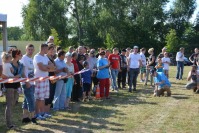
{"x":125,"y":112}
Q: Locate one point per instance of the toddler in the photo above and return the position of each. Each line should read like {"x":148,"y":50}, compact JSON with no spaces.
{"x":159,"y":66}
{"x":86,"y":80}
{"x":166,"y":61}
{"x":7,"y":67}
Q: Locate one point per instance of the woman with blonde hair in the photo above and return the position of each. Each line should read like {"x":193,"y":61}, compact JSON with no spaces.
{"x":150,"y":65}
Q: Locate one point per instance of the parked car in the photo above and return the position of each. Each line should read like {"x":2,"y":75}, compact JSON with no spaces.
{"x":187,"y":62}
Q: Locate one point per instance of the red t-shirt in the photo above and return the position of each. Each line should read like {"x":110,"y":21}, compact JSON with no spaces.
{"x":114,"y":60}
{"x":76,"y":69}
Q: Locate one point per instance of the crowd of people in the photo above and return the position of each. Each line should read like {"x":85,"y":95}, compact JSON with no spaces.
{"x":100,"y":68}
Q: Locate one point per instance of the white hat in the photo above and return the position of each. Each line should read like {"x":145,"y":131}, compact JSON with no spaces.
{"x":135,"y":47}
{"x":164,"y":48}
{"x":51,"y":37}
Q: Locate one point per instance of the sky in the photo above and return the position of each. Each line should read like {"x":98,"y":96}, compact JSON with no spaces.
{"x":13,"y":9}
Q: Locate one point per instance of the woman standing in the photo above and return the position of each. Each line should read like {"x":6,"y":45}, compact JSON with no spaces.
{"x":70,"y":82}
{"x":103,"y":75}
{"x":11,"y":88}
{"x":150,"y":65}
{"x":52,"y":83}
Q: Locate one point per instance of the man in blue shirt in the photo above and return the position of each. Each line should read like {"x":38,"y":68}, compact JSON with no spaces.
{"x":162,"y":83}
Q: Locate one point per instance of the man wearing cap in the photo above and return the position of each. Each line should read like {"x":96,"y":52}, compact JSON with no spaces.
{"x":134,"y":63}
{"x":50,"y":40}
{"x":180,"y":63}
{"x":161,"y":83}
{"x":123,"y":67}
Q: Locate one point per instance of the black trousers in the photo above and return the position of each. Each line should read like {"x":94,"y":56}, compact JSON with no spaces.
{"x":122,"y":77}
{"x":77,"y":89}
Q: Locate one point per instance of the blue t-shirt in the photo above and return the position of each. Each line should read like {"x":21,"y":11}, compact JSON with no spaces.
{"x":86,"y":76}
{"x":160,"y":69}
{"x":102,"y":73}
{"x":160,"y":77}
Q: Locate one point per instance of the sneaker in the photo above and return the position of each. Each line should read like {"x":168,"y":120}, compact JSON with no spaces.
{"x":134,"y":89}
{"x":46,"y":115}
{"x":34,"y":121}
{"x":26,"y":120}
{"x":39,"y":117}
{"x":141,"y":81}
{"x":11,"y":127}
{"x":117,"y":91}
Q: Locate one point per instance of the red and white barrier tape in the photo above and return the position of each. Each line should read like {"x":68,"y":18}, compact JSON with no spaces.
{"x":14,"y":80}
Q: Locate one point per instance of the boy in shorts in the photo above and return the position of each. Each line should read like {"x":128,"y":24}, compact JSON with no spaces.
{"x":86,"y":80}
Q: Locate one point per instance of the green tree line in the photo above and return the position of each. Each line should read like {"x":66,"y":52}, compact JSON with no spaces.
{"x":111,"y":23}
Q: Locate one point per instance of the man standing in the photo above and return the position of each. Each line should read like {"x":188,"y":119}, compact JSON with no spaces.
{"x":28,"y":87}
{"x":42,"y":66}
{"x":194,"y":57}
{"x":123,"y":67}
{"x":134,"y":63}
{"x":114,"y":60}
{"x":60,"y":91}
{"x":180,"y":63}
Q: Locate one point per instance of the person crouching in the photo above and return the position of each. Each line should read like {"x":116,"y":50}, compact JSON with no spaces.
{"x":162,"y":83}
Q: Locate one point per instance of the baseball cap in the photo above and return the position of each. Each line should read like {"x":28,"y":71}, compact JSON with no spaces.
{"x":51,"y":37}
{"x":135,"y":47}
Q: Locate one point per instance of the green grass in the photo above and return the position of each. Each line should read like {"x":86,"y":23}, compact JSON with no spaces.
{"x":125,"y":112}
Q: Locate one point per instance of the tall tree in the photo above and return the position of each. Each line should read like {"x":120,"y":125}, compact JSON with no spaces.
{"x":40,"y":16}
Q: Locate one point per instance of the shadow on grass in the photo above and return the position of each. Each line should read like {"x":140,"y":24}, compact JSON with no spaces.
{"x":30,"y":130}
{"x":91,"y":120}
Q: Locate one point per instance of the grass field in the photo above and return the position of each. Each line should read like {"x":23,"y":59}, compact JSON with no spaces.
{"x":137,"y":112}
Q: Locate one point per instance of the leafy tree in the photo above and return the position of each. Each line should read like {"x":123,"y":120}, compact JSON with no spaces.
{"x":40,"y":16}
{"x":14,"y":33}
{"x":172,"y":41}
{"x":56,"y":37}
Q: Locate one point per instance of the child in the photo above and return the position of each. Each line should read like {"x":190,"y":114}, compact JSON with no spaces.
{"x":166,"y":61}
{"x":86,"y":80}
{"x":159,"y":66}
{"x":7,"y":67}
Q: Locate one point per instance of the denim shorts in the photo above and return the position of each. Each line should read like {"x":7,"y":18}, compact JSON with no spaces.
{"x":29,"y":98}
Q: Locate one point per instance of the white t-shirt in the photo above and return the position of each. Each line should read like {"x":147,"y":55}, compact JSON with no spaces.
{"x":40,"y":59}
{"x":164,"y":60}
{"x":134,"y":60}
{"x":143,"y":59}
{"x":6,"y":70}
{"x":179,"y":56}
{"x":28,"y":67}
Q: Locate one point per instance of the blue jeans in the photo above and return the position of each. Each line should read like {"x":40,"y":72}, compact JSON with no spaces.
{"x":69,"y":87}
{"x":29,"y":98}
{"x":114,"y":73}
{"x":60,"y":95}
{"x":133,"y":74}
{"x":180,"y":68}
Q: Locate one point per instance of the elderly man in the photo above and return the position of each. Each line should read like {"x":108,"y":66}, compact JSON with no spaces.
{"x":180,"y":63}
{"x":162,"y":83}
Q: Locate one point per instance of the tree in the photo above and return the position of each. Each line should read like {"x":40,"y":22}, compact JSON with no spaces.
{"x":40,"y":16}
{"x":14,"y":33}
{"x":172,"y":41}
{"x":56,"y":37}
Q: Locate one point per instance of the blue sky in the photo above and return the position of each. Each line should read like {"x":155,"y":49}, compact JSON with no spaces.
{"x":13,"y":10}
